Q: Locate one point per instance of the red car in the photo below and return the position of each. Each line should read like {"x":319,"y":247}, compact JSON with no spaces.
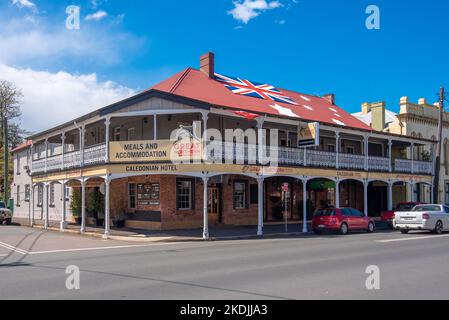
{"x":388,"y":216}
{"x":342,"y":220}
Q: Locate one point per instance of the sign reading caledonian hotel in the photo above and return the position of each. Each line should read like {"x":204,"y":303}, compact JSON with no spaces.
{"x":327,"y":157}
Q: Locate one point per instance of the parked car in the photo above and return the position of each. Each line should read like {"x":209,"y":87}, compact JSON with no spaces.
{"x":388,"y":216}
{"x":343,"y":220}
{"x":5,"y":214}
{"x":430,"y":217}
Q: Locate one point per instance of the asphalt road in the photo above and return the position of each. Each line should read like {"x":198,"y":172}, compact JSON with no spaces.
{"x":33,"y":266}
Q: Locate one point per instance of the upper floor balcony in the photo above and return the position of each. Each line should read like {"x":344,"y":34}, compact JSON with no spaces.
{"x":341,"y":149}
{"x":245,"y":154}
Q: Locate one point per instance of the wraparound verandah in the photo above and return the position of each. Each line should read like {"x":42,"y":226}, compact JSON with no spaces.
{"x":261,"y":187}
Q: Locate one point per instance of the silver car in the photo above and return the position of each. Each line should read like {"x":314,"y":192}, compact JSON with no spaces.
{"x":430,"y":217}
{"x":5,"y":214}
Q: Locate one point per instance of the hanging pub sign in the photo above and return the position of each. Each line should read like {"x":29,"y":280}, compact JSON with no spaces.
{"x":308,"y":135}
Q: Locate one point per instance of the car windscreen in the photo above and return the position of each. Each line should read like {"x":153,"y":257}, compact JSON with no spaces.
{"x":427,"y":208}
{"x":325,"y":213}
{"x":405,"y":207}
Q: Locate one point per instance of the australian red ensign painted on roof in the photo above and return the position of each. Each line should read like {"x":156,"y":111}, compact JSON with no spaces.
{"x":253,"y":89}
{"x":194,"y":84}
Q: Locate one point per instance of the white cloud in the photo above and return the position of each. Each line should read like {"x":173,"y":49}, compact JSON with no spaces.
{"x":245,"y":10}
{"x":25,"y":4}
{"x":54,"y":98}
{"x":97,"y":15}
{"x":27,"y":41}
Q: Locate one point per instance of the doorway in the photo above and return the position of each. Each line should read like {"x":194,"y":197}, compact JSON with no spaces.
{"x":215,"y":202}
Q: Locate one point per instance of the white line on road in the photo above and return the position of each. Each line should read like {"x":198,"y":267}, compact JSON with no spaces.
{"x":412,"y":239}
{"x":12,"y":248}
{"x":101,"y":248}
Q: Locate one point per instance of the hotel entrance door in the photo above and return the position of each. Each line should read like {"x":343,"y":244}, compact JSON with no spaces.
{"x":214,"y":201}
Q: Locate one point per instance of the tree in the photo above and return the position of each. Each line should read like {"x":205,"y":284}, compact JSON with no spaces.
{"x":10,"y":132}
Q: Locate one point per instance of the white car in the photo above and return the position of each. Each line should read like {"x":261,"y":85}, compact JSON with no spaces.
{"x":5,"y":214}
{"x":430,"y":217}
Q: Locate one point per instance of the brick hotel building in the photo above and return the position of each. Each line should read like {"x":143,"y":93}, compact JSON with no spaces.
{"x":123,"y":151}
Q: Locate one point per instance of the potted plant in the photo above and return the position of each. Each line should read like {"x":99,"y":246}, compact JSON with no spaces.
{"x":75,"y":206}
{"x":95,"y":205}
{"x":119,"y":221}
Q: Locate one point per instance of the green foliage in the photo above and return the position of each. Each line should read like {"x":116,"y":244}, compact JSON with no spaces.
{"x":75,"y":203}
{"x":95,"y":203}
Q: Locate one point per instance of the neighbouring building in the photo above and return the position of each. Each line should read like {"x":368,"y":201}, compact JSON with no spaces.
{"x":418,"y":120}
{"x":21,"y":190}
{"x":147,"y":156}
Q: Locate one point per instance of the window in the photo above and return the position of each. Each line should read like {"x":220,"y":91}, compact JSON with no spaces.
{"x":131,"y":134}
{"x":331,"y":148}
{"x":254,"y":194}
{"x":117,"y":134}
{"x":18,"y":196}
{"x":52,"y":195}
{"x":132,"y":196}
{"x":67,"y":193}
{"x":184,"y":194}
{"x":27,"y":192}
{"x":18,"y":164}
{"x":240,"y":195}
{"x":350,"y":150}
{"x":40,"y":196}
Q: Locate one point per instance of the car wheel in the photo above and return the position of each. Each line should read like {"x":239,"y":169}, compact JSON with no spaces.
{"x":8,"y":222}
{"x":344,"y":229}
{"x":439,"y":228}
{"x":404,"y":231}
{"x":371,"y":227}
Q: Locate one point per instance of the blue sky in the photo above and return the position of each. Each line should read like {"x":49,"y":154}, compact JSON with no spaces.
{"x":311,"y":46}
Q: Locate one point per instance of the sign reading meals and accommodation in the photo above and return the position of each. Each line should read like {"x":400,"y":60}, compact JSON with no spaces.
{"x":157,"y":151}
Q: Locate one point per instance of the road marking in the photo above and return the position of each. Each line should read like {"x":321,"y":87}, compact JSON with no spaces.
{"x":101,"y":248}
{"x":12,"y":248}
{"x":412,"y":239}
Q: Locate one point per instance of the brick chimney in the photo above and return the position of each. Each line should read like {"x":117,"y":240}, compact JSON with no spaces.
{"x":330,"y":97}
{"x":378,"y":116}
{"x":207,"y":64}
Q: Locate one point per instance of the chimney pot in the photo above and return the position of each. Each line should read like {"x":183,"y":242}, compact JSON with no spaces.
{"x":330,"y":97}
{"x":422,"y":101}
{"x":207,"y":64}
{"x":404,"y":100}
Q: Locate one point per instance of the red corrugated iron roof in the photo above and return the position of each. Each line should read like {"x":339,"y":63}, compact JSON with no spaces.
{"x":194,"y":84}
{"x":23,"y":146}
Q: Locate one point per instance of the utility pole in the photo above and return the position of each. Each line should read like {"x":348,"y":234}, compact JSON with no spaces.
{"x":5,"y":157}
{"x":436,"y":186}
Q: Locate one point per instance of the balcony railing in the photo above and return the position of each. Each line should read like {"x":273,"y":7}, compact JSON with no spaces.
{"x":230,"y":152}
{"x":379,"y":164}
{"x":351,"y":161}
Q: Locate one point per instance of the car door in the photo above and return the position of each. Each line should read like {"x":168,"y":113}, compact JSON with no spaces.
{"x":349,"y":218}
{"x":446,"y":218}
{"x":359,"y":219}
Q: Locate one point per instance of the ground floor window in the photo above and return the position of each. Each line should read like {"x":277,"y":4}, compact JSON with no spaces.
{"x":67,"y":193}
{"x":27,"y":192}
{"x":52,"y":195}
{"x":184,"y":194}
{"x":18,"y":196}
{"x":132,"y":196}
{"x":240,"y":201}
{"x":40,"y":196}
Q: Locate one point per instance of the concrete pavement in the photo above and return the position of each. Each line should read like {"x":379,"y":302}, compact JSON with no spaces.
{"x":413,"y":266}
